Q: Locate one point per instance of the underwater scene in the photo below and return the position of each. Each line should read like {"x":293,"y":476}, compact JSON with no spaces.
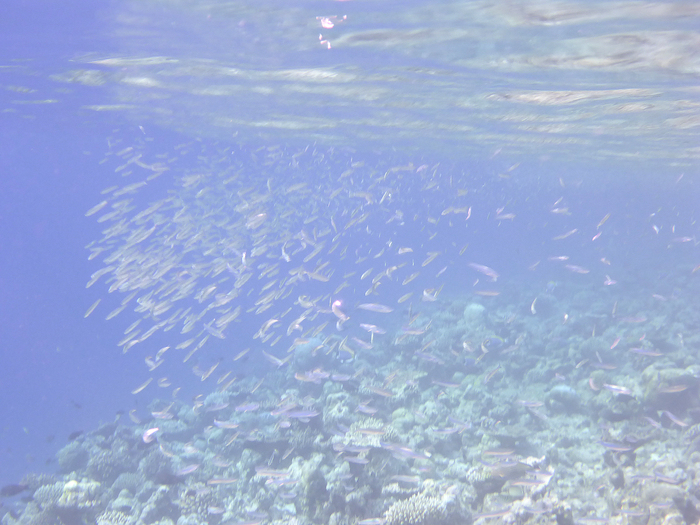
{"x":373,"y":264}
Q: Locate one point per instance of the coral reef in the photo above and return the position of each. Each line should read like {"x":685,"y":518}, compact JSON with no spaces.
{"x":113,"y":517}
{"x":490,"y":419}
{"x":78,"y":494}
{"x":435,"y":505}
{"x":73,"y":457}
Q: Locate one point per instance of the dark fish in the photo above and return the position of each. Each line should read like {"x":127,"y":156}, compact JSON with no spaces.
{"x":166,"y":478}
{"x":471,"y":364}
{"x":75,"y":435}
{"x":493,"y":343}
{"x":12,"y":490}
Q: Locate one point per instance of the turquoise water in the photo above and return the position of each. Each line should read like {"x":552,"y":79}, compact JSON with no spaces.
{"x":438,"y":264}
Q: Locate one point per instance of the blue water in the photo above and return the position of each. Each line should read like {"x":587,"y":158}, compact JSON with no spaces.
{"x":52,"y":365}
{"x":62,"y":373}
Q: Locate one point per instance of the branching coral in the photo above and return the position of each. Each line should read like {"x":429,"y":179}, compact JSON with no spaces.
{"x":435,"y":505}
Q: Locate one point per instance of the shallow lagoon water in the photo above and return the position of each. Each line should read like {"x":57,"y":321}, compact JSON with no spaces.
{"x":438,"y":265}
